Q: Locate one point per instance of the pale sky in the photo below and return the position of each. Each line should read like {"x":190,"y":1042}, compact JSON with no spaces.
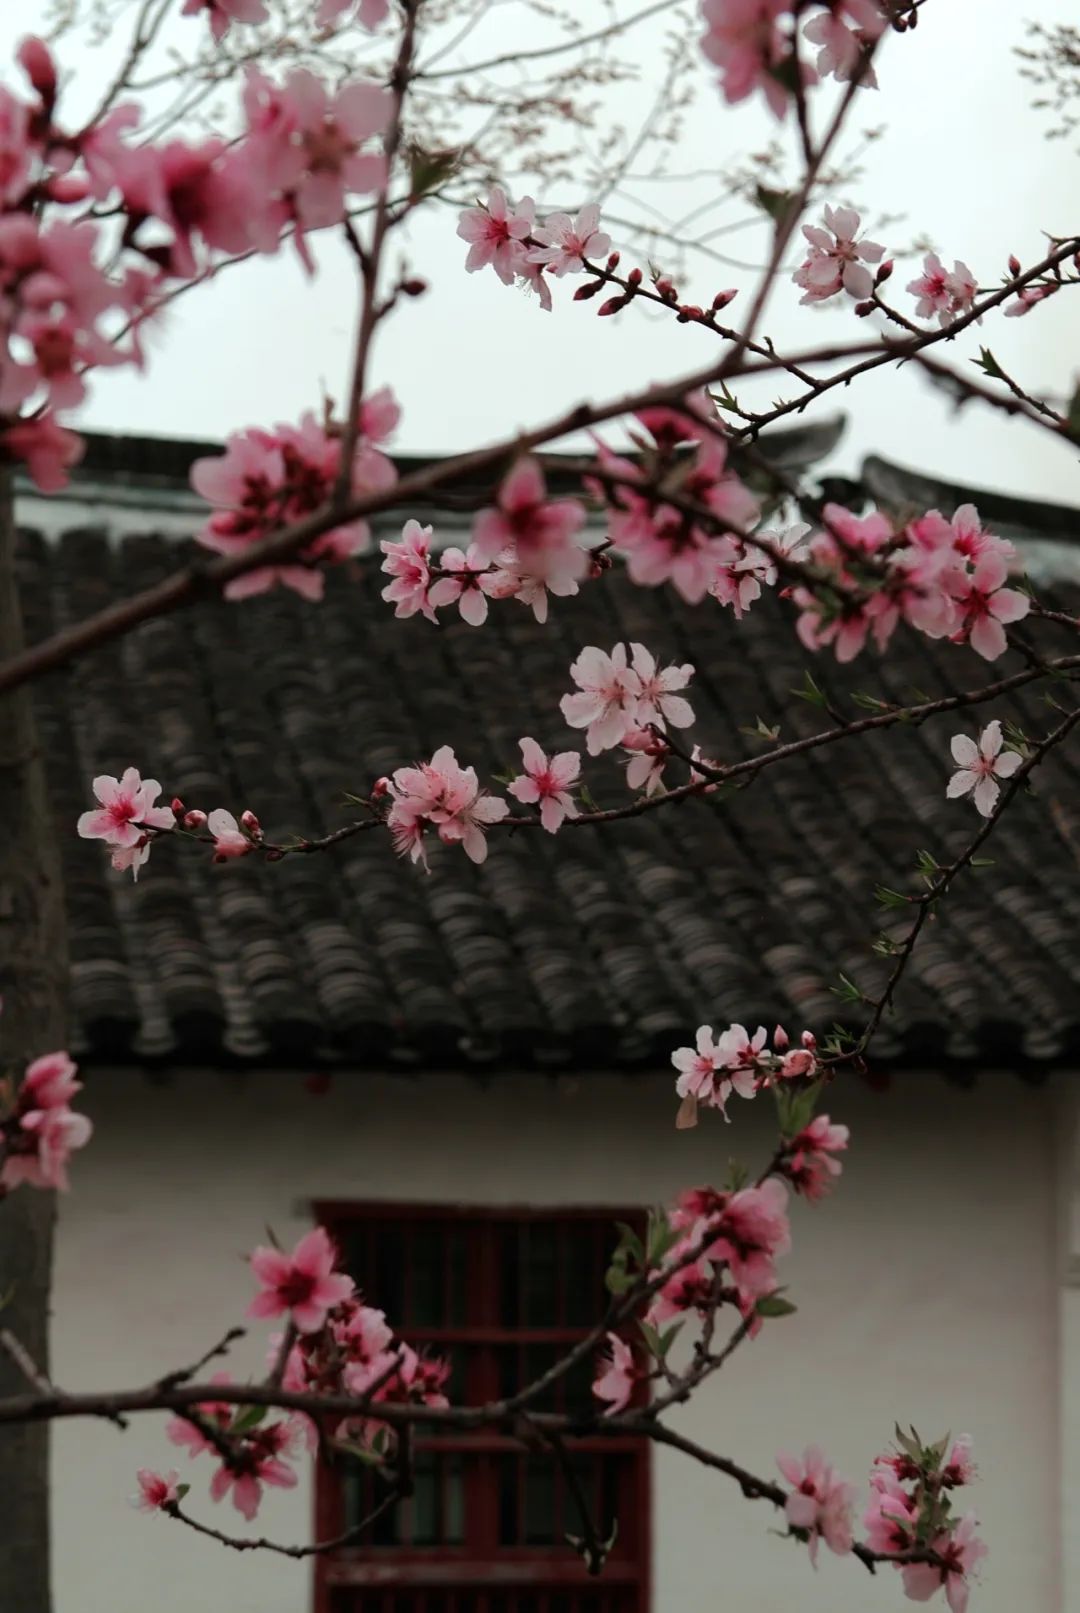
{"x":963,"y":158}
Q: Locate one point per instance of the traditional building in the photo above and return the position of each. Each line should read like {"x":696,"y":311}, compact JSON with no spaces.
{"x":467,"y":1074}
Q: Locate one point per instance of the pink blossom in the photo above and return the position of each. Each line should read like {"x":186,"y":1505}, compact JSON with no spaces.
{"x":648,"y":757}
{"x":229,"y":839}
{"x":409,"y":564}
{"x":959,"y":1468}
{"x":467,"y":580}
{"x":496,"y":231}
{"x":846,"y":539}
{"x":179,"y":1431}
{"x":691,"y":1287}
{"x":941,"y":293}
{"x":127,"y":809}
{"x":441,"y":793}
{"x":157,"y":1490}
{"x":47,"y":449}
{"x":963,"y":1551}
{"x":304,"y":1283}
{"x":534,"y":528}
{"x":324,"y":162}
{"x":380,"y":415}
{"x":986,"y":605}
{"x":547,"y":781}
{"x":842,"y":43}
{"x":617,"y":1377}
{"x":752,"y":1231}
{"x":123,"y":858}
{"x":1028,"y":297}
{"x":743,"y":40}
{"x":837,"y":260}
{"x":369,"y":15}
{"x":714,"y":1068}
{"x":258,"y":1461}
{"x":809,"y":1163}
{"x":566,"y":242}
{"x":658,"y":702}
{"x":223,"y":13}
{"x":820,"y":1503}
{"x":980,"y":767}
{"x":891,"y":1517}
{"x":41,"y":1132}
{"x":607,"y":701}
{"x":267,"y":479}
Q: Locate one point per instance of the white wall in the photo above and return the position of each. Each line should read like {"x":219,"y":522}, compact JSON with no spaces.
{"x":927,"y":1292}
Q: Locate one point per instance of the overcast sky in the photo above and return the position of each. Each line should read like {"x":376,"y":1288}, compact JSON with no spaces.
{"x":963,"y":158}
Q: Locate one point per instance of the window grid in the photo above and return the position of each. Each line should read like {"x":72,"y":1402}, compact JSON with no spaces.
{"x":504,"y":1293}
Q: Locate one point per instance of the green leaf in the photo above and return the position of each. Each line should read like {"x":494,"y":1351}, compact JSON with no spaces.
{"x":247,"y":1418}
{"x":629,"y":1241}
{"x":430,"y":169}
{"x":774,"y":1305}
{"x":847,"y":991}
{"x":738,"y":1175}
{"x":777,"y":203}
{"x":588,"y":801}
{"x":989,"y":365}
{"x":890,"y":898}
{"x":761,"y":730}
{"x":182,"y":1490}
{"x":660,"y":1238}
{"x":809,"y":692}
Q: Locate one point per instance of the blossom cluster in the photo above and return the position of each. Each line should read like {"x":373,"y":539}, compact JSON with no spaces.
{"x":267,"y":480}
{"x":39,"y":1130}
{"x":684,"y":457}
{"x":336,"y":1346}
{"x":505,"y":236}
{"x":755,"y":46}
{"x":911,"y":1506}
{"x":446,"y":796}
{"x":97,"y":227}
{"x":945,"y":578}
{"x":221,"y":14}
{"x":735,"y":1061}
{"x":128,"y":821}
{"x":525,"y":547}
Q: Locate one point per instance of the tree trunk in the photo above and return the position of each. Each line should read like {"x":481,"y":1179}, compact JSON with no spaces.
{"x":33,"y":981}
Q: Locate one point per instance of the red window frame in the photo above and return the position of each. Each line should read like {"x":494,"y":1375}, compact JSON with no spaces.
{"x":481,"y":1575}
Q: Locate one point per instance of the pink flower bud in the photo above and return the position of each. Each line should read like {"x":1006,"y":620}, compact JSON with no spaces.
{"x":809,"y":1040}
{"x":414,"y":288}
{"x":251,"y":823}
{"x":380,"y":787}
{"x":1014,"y":264}
{"x":667,"y":289}
{"x":780,"y":1038}
{"x":36,"y":62}
{"x":194,"y":819}
{"x":688,"y":311}
{"x":589,"y":289}
{"x":634,"y":277}
{"x":884,"y":272}
{"x":862,"y":309}
{"x":612,"y":306}
{"x":613,"y":260}
{"x":722,"y":299}
{"x":177,"y":806}
{"x":273,"y":854}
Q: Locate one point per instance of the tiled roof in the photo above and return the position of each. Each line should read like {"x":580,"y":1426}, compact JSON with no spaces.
{"x":593,"y":949}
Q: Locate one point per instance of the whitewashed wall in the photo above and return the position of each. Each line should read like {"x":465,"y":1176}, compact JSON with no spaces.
{"x":928,"y":1292}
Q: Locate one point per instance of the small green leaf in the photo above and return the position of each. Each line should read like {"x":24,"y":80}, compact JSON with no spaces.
{"x":890,"y":898}
{"x":430,"y":169}
{"x":989,"y":365}
{"x":774,"y":1305}
{"x":182,"y":1490}
{"x":777,"y":203}
{"x":809,"y":692}
{"x":247,"y":1418}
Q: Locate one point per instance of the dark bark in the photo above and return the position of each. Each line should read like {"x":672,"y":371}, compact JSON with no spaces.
{"x":33,"y":981}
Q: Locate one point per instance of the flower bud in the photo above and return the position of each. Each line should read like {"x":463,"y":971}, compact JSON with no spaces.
{"x":250,"y":822}
{"x":380,"y":787}
{"x":667,"y":289}
{"x":1014,"y":264}
{"x":688,"y":311}
{"x":589,"y":289}
{"x":780,"y":1038}
{"x":273,"y":854}
{"x":36,"y":62}
{"x":612,"y":306}
{"x":884,"y":272}
{"x":613,"y":260}
{"x":862,"y":309}
{"x":634,"y":277}
{"x":194,"y":819}
{"x":177,"y":807}
{"x":414,"y":288}
{"x":722,"y":299}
